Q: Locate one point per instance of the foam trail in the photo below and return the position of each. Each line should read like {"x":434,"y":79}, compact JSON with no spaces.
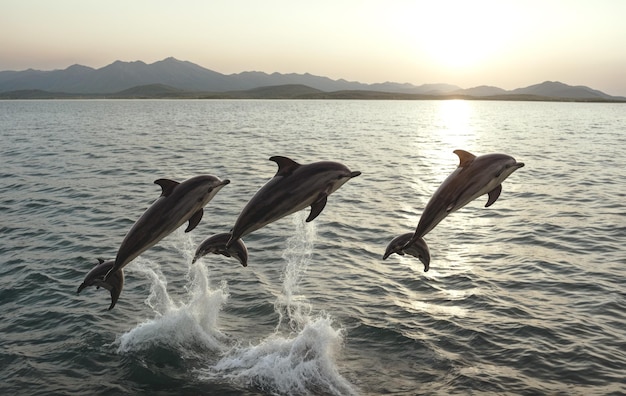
{"x":188,"y":326}
{"x":302,"y":362}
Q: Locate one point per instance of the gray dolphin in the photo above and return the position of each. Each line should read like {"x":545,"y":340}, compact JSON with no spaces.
{"x":178,"y":203}
{"x":475,"y":176}
{"x":216,"y":244}
{"x":293,"y":187}
{"x":113,"y":284}
{"x":418,"y":248}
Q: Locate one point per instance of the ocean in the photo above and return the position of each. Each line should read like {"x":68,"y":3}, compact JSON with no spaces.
{"x":525,"y":297}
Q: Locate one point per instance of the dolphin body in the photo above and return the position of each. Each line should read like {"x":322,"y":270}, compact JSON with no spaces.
{"x":216,"y":244}
{"x":293,"y":187}
{"x":178,"y":203}
{"x":475,"y":176}
{"x":113,"y":284}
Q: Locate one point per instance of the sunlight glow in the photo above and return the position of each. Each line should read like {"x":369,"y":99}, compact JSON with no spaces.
{"x":458,"y":35}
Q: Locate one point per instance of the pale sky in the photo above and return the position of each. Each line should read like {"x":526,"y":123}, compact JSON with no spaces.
{"x":504,"y":43}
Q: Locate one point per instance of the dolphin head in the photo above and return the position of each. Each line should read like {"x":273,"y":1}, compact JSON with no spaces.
{"x":337,"y":174}
{"x":499,"y":165}
{"x":417,"y":248}
{"x":204,"y":187}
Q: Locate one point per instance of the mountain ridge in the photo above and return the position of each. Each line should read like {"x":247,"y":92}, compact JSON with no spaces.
{"x":188,"y":78}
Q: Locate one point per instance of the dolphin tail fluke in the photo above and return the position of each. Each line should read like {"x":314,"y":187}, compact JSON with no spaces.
{"x":114,"y":282}
{"x":411,"y":245}
{"x":225,"y":245}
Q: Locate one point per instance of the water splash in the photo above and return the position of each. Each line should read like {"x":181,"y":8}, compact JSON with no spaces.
{"x":303,"y":360}
{"x":186,"y":325}
{"x":302,"y":364}
{"x":290,"y":305}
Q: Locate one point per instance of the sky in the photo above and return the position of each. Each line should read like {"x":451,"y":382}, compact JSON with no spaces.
{"x":504,"y":43}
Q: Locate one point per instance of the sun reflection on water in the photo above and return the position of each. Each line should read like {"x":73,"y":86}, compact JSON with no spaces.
{"x":452,"y":129}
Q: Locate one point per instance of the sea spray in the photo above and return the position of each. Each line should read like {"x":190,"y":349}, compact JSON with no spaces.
{"x":290,"y":304}
{"x":303,"y":361}
{"x":187,"y":325}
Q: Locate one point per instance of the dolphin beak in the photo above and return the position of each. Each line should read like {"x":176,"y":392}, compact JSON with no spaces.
{"x":226,"y":181}
{"x":519,"y":165}
{"x":354,"y":174}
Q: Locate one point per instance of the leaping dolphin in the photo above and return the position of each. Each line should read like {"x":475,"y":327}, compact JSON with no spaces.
{"x":417,"y":249}
{"x":293,"y":187}
{"x":113,"y":284}
{"x":178,"y":203}
{"x":216,"y":244}
{"x":475,"y":176}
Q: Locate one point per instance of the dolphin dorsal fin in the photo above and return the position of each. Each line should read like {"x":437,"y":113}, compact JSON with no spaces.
{"x":167,"y":186}
{"x":285,"y":165}
{"x":464,"y":157}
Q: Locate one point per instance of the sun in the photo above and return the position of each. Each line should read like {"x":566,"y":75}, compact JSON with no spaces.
{"x":455,"y":50}
{"x":456,"y":35}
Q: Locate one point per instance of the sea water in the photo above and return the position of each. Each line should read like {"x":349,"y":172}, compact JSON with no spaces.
{"x":524,"y":297}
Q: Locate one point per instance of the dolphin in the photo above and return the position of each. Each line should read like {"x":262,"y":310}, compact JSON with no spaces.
{"x":293,"y":187}
{"x":418,"y":248}
{"x":95,"y":277}
{"x":475,"y":176}
{"x":216,"y":244}
{"x":178,"y":203}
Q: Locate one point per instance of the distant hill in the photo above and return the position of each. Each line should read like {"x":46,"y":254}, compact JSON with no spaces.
{"x":557,"y":89}
{"x":174,"y":78}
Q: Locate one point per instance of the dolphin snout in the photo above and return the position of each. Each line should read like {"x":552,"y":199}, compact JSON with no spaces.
{"x":519,"y":165}
{"x":354,"y":174}
{"x":226,"y":181}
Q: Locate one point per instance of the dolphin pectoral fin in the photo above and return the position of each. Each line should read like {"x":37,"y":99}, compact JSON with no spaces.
{"x":285,"y":165}
{"x":317,"y":207}
{"x":493,"y":195}
{"x":465,"y":158}
{"x":195,"y":220}
{"x":167,"y":186}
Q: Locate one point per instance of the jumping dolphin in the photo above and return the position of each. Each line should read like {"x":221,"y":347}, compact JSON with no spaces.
{"x":417,"y":249}
{"x":178,"y":203}
{"x":294,"y":187}
{"x":113,"y":284}
{"x":216,"y":244}
{"x":475,"y":176}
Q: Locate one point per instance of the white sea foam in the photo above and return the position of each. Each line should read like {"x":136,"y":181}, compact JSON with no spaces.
{"x":300,"y":364}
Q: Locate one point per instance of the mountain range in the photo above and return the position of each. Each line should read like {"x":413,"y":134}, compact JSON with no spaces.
{"x":174,"y":78}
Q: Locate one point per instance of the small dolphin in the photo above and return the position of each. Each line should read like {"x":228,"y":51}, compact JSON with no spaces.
{"x":178,"y":203}
{"x":95,"y":277}
{"x":294,"y":187}
{"x":475,"y":176}
{"x":417,"y":249}
{"x":216,"y":244}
